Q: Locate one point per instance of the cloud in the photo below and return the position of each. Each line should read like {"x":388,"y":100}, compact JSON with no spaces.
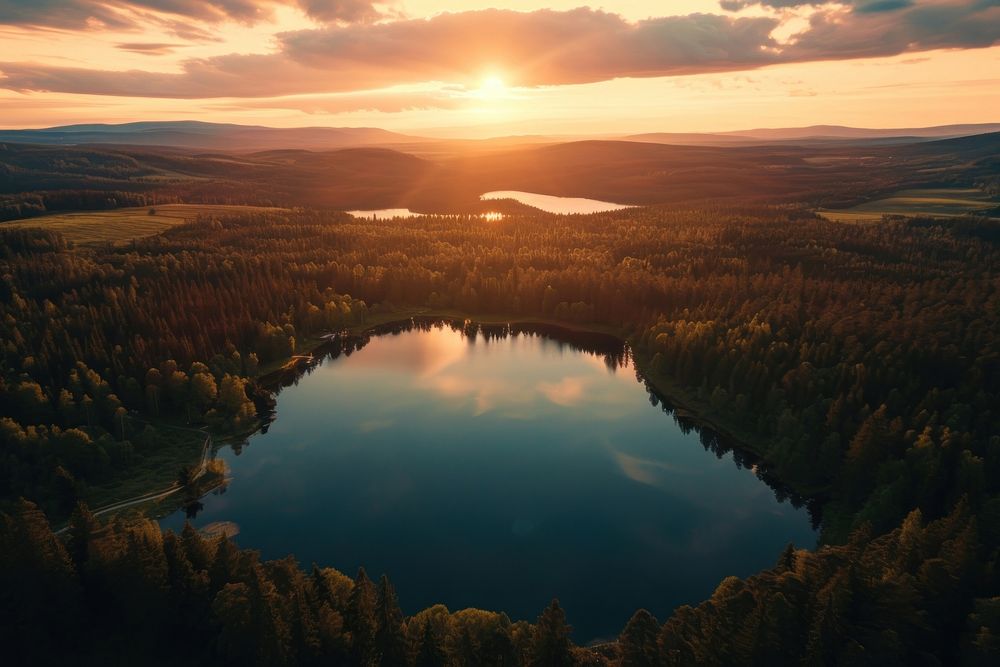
{"x":83,"y":14}
{"x":60,"y":14}
{"x":862,"y":6}
{"x":385,"y":102}
{"x":648,"y":471}
{"x":129,"y":14}
{"x":543,"y":47}
{"x":536,"y":48}
{"x":349,"y":11}
{"x":567,"y":392}
{"x":937,"y":24}
{"x":148,"y":48}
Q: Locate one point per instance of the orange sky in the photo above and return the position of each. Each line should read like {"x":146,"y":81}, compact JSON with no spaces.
{"x":479,"y":68}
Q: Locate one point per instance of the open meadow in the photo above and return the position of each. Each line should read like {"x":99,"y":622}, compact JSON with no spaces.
{"x":937,"y":202}
{"x":125,"y":224}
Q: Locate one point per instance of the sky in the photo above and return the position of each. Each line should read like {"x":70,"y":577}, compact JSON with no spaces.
{"x":481,"y":68}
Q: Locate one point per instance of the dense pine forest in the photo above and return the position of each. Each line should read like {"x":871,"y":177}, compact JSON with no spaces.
{"x":859,"y":363}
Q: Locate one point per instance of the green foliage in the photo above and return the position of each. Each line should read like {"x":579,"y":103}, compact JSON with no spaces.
{"x":552,"y":645}
{"x":126,"y":588}
{"x":861,"y":362}
{"x":390,"y":642}
{"x":361,"y":621}
{"x":870,"y":601}
{"x":638,"y":641}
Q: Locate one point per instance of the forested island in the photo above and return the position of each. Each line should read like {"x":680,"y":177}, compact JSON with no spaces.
{"x":859,"y":363}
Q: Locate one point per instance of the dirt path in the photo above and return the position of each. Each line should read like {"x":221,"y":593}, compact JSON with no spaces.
{"x":162,"y":493}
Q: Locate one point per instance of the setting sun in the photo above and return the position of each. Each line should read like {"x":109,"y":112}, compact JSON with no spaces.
{"x":492,"y":88}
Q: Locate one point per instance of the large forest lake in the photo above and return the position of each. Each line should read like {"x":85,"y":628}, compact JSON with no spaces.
{"x":497,"y":468}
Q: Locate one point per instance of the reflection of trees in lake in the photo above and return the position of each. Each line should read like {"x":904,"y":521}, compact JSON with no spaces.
{"x":192,"y":508}
{"x":614,"y":352}
{"x":721,"y":445}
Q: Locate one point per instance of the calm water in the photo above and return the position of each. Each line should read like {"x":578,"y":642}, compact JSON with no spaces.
{"x":548,"y":203}
{"x":551,"y":204}
{"x":499,"y":472}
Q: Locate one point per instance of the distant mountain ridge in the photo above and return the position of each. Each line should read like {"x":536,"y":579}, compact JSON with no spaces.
{"x":199,"y":135}
{"x":818,"y":134}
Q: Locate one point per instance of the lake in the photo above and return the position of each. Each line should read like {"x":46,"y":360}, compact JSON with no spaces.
{"x":499,"y":468}
{"x":548,"y":203}
{"x":552,"y":204}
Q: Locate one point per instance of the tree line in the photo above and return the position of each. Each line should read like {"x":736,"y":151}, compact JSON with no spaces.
{"x":125,"y":591}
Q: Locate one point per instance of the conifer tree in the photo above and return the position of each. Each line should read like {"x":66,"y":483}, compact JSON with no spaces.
{"x":82,"y":525}
{"x":638,"y":641}
{"x":551,"y":645}
{"x":390,"y":643}
{"x":361,"y":620}
{"x":431,"y":652}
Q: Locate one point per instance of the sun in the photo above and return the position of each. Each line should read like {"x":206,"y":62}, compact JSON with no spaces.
{"x":492,"y":87}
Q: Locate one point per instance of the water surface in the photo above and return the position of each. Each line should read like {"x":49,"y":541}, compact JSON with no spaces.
{"x":552,"y":204}
{"x":499,"y":471}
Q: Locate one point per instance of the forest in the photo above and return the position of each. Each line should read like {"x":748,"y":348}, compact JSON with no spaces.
{"x":859,"y":363}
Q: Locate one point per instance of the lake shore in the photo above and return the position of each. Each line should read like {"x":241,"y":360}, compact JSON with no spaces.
{"x":548,"y":438}
{"x":682,"y":402}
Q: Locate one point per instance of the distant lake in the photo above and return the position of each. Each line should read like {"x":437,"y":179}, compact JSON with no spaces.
{"x":498,"y":468}
{"x":551,"y":204}
{"x":548,"y":203}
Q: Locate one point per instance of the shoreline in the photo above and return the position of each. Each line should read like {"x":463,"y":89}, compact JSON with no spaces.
{"x":681,"y":405}
{"x":675,"y":401}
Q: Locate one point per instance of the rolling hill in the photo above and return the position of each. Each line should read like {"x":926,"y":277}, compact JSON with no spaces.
{"x":626,"y":172}
{"x":208,"y":136}
{"x":817,"y":135}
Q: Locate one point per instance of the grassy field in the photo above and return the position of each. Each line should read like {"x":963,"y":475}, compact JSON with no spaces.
{"x":124,"y":224}
{"x":942,"y":202}
{"x":159,"y":468}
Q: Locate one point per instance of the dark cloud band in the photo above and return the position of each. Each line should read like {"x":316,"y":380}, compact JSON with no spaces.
{"x":120,"y":14}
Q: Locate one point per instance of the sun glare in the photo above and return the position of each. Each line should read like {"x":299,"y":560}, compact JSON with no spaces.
{"x":492,"y":87}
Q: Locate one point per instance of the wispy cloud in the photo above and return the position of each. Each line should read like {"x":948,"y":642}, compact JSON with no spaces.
{"x":567,"y":392}
{"x":148,"y":48}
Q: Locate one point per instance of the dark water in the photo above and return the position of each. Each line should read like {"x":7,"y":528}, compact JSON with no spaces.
{"x":500,"y":471}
